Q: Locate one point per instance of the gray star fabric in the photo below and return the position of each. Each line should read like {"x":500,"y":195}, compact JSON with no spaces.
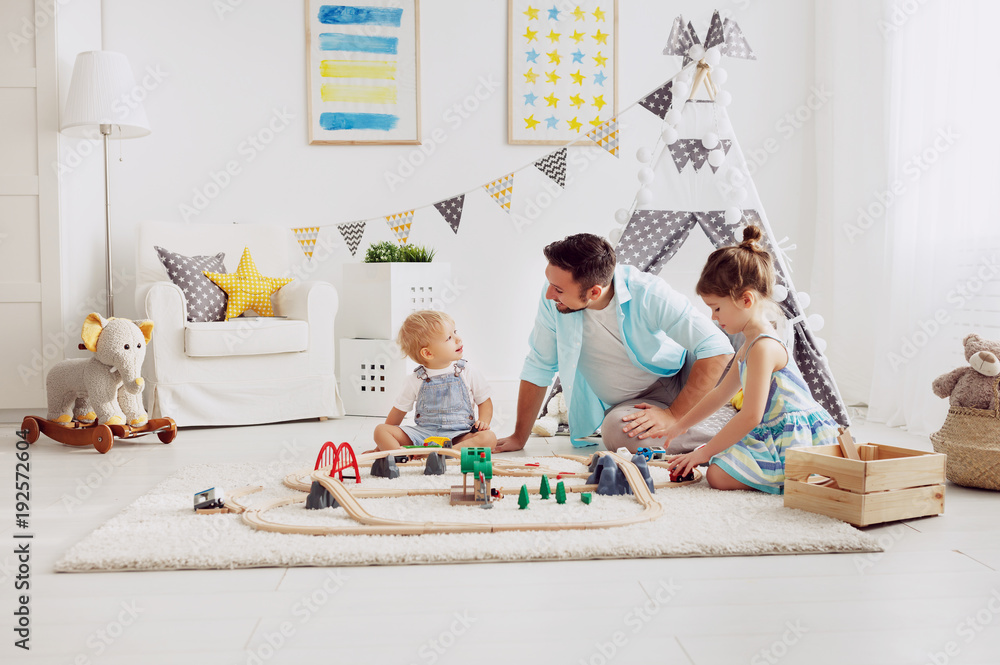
{"x":652,"y":237}
{"x":716,"y":33}
{"x":658,"y":101}
{"x":451,"y":210}
{"x":695,"y":152}
{"x":205,"y":300}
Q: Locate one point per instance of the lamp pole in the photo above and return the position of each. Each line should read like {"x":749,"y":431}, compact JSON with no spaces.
{"x":106,"y":133}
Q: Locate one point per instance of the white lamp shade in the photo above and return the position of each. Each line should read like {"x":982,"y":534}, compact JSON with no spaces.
{"x":103,"y":92}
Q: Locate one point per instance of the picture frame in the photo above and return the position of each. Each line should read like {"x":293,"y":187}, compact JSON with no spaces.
{"x":363,"y":72}
{"x":562,"y":69}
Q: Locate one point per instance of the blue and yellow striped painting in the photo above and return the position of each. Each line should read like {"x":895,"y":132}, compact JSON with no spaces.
{"x":363,"y":71}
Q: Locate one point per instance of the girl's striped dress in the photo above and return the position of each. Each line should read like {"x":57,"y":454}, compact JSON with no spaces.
{"x":791,"y":418}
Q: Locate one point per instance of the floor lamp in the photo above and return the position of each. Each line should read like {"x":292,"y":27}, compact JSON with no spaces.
{"x":103,"y":95}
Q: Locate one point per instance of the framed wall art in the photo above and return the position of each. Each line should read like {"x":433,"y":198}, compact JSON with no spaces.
{"x":363,"y":72}
{"x":562,"y":69}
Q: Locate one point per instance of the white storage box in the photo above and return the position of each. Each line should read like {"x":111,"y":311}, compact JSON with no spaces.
{"x":371,"y":375}
{"x":376,"y":297}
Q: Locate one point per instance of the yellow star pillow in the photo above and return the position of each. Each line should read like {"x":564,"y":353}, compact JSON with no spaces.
{"x":247,"y":288}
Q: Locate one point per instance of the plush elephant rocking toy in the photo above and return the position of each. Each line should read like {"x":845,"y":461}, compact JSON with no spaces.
{"x":92,"y":400}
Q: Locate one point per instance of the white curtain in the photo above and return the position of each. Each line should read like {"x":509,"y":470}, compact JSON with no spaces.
{"x":937,"y":204}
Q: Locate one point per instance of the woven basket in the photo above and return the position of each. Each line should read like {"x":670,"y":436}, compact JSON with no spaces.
{"x":971,"y":440}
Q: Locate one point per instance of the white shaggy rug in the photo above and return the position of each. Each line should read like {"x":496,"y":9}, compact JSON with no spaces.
{"x":160,"y":531}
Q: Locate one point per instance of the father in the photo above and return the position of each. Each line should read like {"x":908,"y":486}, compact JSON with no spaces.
{"x":630,"y":351}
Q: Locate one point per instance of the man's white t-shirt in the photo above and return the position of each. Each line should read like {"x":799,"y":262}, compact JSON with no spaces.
{"x":604,"y":362}
{"x":475,"y":383}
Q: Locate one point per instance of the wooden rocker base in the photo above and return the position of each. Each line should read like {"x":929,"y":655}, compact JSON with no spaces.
{"x":101,"y":437}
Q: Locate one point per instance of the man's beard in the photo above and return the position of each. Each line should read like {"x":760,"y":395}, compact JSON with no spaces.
{"x":568,"y":310}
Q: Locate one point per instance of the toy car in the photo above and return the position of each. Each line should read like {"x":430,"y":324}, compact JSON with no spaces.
{"x":652,"y":453}
{"x":674,"y":478}
{"x":210,"y":498}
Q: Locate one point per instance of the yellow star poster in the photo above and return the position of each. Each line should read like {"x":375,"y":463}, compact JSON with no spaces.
{"x":562,"y":69}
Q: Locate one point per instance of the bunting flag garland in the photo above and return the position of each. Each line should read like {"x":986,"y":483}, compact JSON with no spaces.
{"x":352,"y":232}
{"x":502,"y":190}
{"x":716,"y":34}
{"x":658,"y":101}
{"x":451,"y":210}
{"x":554,"y":166}
{"x":606,"y":135}
{"x":306,"y":236}
{"x":400,"y":224}
{"x":736,"y":45}
{"x":694,"y":151}
{"x":680,"y":40}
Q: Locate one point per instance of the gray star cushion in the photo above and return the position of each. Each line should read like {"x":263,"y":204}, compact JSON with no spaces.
{"x":205,"y":300}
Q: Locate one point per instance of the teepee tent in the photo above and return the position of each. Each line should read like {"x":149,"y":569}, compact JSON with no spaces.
{"x":696,"y":176}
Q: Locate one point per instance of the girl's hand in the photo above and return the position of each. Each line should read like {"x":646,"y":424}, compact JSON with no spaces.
{"x":649,"y":422}
{"x":481,"y":425}
{"x":681,"y":465}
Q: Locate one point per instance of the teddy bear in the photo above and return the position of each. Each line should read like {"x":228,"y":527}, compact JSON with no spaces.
{"x":106,"y":387}
{"x":972,"y":386}
{"x":556,"y":414}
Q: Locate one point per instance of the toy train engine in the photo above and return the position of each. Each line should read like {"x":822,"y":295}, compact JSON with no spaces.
{"x":210,"y":498}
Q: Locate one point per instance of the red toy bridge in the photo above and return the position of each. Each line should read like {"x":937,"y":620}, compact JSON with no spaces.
{"x":338,"y":458}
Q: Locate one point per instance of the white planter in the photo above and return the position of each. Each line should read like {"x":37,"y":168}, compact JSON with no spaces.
{"x":377,"y":297}
{"x":371,"y":375}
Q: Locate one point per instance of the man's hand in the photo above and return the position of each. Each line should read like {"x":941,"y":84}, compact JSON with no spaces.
{"x":510,"y":444}
{"x":649,"y":422}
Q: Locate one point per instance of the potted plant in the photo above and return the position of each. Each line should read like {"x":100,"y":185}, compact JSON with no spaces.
{"x":394,"y":280}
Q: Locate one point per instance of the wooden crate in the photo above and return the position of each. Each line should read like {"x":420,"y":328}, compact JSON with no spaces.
{"x":886,"y":484}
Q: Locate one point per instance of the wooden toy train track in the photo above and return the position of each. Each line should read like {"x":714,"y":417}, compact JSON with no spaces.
{"x":369,"y":524}
{"x":101,"y":437}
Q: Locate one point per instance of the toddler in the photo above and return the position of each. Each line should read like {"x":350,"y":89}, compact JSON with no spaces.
{"x":778,"y":410}
{"x":445,"y":389}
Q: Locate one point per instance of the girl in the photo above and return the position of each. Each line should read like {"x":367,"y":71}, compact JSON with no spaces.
{"x":778,"y":409}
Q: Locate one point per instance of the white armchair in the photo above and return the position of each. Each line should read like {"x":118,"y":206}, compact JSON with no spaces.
{"x":246,"y":370}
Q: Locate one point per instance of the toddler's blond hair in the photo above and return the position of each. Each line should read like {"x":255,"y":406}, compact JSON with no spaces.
{"x":417,"y":329}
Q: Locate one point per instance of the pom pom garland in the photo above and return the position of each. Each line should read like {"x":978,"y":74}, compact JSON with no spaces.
{"x":696,"y":52}
{"x":710,"y":140}
{"x":644,"y":155}
{"x":621,"y":216}
{"x":669,"y":134}
{"x":734,"y":216}
{"x":644,"y":197}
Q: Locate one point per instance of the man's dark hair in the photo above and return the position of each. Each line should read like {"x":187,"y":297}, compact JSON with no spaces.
{"x":589,"y":258}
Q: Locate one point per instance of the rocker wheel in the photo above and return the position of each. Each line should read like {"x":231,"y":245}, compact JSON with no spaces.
{"x":30,"y":428}
{"x":103,"y":438}
{"x":168,"y":435}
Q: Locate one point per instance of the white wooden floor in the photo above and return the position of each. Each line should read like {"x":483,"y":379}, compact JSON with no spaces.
{"x":932,"y":597}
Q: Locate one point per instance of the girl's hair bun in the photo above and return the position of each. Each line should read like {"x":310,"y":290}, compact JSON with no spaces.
{"x":751,"y":235}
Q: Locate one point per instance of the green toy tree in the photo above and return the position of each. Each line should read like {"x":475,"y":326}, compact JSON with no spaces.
{"x":561,"y":492}
{"x":544,"y":490}
{"x":522,"y":498}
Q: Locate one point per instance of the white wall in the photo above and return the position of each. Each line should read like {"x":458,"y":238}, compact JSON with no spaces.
{"x":225,"y":77}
